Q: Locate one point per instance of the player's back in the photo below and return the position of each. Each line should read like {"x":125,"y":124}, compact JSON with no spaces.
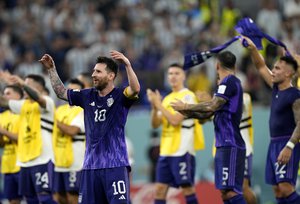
{"x":227,"y":118}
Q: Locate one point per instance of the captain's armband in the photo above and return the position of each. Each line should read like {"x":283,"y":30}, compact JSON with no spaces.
{"x":125,"y":92}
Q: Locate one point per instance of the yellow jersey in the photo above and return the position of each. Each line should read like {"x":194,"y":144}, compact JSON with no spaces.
{"x":10,"y":122}
{"x":185,"y":137}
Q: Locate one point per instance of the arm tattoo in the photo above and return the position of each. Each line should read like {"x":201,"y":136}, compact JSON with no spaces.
{"x":57,"y":84}
{"x":296,"y":134}
{"x":200,"y":115}
{"x":32,"y":93}
{"x":208,"y":106}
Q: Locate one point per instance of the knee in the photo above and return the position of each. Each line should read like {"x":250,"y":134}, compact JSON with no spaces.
{"x":161,"y":190}
{"x":286,"y":189}
{"x":188,"y":190}
{"x":283,"y":190}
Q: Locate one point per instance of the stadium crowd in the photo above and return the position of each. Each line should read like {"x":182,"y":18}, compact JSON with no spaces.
{"x":151,"y":33}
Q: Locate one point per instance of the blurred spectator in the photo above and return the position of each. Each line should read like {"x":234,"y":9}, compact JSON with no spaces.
{"x":29,"y":65}
{"x":269,"y":18}
{"x":77,"y":58}
{"x":154,"y":33}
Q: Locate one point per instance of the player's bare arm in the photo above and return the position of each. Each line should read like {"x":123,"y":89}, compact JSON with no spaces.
{"x":56,"y":82}
{"x":203,"y":107}
{"x":259,"y":62}
{"x":134,"y":85}
{"x":200,"y":115}
{"x":33,"y":94}
{"x":10,"y":135}
{"x":296,"y":134}
{"x":286,"y":152}
{"x":156,"y":119}
{"x":173,"y":118}
{"x":68,"y":129}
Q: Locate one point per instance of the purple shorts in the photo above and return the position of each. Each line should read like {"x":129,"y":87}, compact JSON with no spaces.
{"x":276,"y":173}
{"x":66,"y":182}
{"x":229,"y":168}
{"x":176,"y":171}
{"x":105,"y":186}
{"x":11,"y":186}
{"x":36,"y":179}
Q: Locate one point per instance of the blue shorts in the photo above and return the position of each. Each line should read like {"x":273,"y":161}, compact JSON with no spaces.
{"x":11,"y":186}
{"x":36,"y":179}
{"x":276,"y":173}
{"x":176,"y":171}
{"x":66,"y":182}
{"x":229,"y":168}
{"x":248,"y":167}
{"x":105,"y":186}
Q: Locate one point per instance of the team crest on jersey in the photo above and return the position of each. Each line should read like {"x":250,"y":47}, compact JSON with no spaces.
{"x":188,"y":98}
{"x":109,"y":102}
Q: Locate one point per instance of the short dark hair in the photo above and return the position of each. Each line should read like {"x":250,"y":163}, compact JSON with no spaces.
{"x":227,"y":59}
{"x":37,"y":78}
{"x":291,"y":61}
{"x":17,"y":89}
{"x":110,"y":64}
{"x":76,"y":81}
{"x":176,"y":65}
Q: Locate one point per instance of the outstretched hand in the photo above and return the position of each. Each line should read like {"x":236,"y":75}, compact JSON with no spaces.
{"x":47,"y":61}
{"x":119,"y":57}
{"x":17,"y":80}
{"x":178,"y":105}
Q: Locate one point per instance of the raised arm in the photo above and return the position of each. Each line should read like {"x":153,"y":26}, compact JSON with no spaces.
{"x":34,"y":94}
{"x":286,"y":152}
{"x":134,"y":85}
{"x":259,"y":62}
{"x":56,"y":82}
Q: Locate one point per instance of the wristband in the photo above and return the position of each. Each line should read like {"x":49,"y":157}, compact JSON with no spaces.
{"x":290,"y":145}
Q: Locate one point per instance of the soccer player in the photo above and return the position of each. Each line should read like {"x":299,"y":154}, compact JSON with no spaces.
{"x":68,"y":146}
{"x":179,"y":140}
{"x":284,"y":125}
{"x":105,"y":171}
{"x":246,"y":129}
{"x":9,"y":127}
{"x":227,"y":106}
{"x":34,"y":139}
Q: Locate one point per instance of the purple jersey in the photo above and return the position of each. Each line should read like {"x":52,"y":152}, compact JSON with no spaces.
{"x":104,"y":120}
{"x":227,"y":118}
{"x":282,"y":121}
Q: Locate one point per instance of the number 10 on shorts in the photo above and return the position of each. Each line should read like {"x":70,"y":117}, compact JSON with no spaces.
{"x":119,"y":187}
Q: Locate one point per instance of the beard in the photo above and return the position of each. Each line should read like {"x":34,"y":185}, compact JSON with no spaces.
{"x":101,"y":85}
